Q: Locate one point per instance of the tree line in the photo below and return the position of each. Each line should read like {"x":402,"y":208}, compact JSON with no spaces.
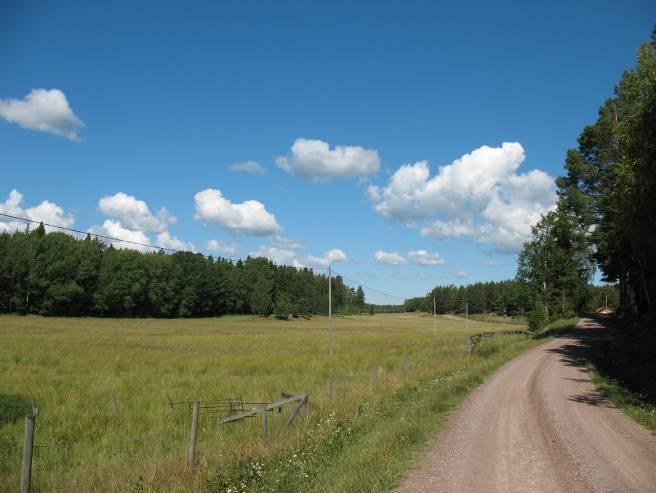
{"x":57,"y":274}
{"x":606,"y":213}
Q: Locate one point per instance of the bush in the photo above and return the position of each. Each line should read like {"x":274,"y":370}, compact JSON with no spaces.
{"x":537,"y":318}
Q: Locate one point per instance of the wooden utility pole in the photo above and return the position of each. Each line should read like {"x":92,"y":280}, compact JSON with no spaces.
{"x":467,"y":310}
{"x":434,"y":317}
{"x":330,"y":310}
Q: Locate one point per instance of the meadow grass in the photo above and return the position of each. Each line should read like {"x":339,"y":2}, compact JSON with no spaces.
{"x":393,"y":382}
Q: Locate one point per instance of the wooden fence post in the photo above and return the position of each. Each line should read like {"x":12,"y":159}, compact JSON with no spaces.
{"x":114,"y":403}
{"x":330,"y":386}
{"x":264,"y":428}
{"x":469,"y":345}
{"x":191,"y":457}
{"x":28,"y":443}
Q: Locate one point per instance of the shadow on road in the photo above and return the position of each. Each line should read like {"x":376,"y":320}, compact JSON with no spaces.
{"x":584,"y":342}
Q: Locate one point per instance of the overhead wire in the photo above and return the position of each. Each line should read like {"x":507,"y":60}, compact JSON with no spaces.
{"x":175,"y":250}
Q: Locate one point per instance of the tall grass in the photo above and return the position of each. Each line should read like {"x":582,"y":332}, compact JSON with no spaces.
{"x":392,"y":379}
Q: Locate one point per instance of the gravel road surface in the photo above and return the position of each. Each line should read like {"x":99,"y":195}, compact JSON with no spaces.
{"x":539,"y":425}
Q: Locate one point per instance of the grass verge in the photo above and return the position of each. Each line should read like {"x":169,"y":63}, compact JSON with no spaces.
{"x":636,"y":408}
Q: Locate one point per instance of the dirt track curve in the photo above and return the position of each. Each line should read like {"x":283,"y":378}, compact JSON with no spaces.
{"x":538,"y":424}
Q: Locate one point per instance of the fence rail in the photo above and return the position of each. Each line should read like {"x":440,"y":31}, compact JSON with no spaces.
{"x":476,"y":339}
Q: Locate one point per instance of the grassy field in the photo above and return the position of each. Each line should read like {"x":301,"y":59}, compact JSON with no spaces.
{"x":394,"y":381}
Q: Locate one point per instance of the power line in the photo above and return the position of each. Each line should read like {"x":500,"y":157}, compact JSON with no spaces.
{"x":113,"y":238}
{"x":174,"y":250}
{"x":370,"y":288}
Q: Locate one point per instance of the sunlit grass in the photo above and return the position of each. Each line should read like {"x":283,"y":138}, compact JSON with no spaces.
{"x":73,"y":367}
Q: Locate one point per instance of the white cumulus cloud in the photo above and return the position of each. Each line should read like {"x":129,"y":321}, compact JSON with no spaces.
{"x":114,"y":228}
{"x":316,"y":161}
{"x":448,"y":229}
{"x":282,"y":242}
{"x":479,"y":196}
{"x":249,"y":217}
{"x":46,"y":211}
{"x":165,"y":240}
{"x":423,"y":257}
{"x":280,"y":256}
{"x":222,"y":247}
{"x":461,"y":274}
{"x":134,"y":213}
{"x":46,"y":110}
{"x":330,"y":257}
{"x":391,"y":258}
{"x":252,"y":167}
{"x":130,"y":219}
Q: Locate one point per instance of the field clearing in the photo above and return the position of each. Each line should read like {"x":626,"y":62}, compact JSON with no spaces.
{"x":74,"y":366}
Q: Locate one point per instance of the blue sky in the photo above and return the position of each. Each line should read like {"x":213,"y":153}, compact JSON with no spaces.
{"x":111,"y":111}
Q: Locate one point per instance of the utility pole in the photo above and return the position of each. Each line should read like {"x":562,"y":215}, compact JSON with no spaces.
{"x":546,"y":308}
{"x":434,"y":317}
{"x":467,"y":310}
{"x":330,"y":310}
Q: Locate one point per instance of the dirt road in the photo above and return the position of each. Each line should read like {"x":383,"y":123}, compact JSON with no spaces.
{"x":539,"y":425}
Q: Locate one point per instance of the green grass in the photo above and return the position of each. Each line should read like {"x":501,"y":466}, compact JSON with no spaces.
{"x":558,"y":327}
{"x":636,"y":408}
{"x":393,"y":383}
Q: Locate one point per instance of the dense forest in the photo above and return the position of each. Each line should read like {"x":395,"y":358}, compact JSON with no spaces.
{"x":606,"y":218}
{"x":606,"y":214}
{"x":511,"y":298}
{"x":56,"y":274}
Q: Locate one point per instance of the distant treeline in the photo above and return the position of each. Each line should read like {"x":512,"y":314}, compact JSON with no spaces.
{"x":57,"y":274}
{"x":511,"y":297}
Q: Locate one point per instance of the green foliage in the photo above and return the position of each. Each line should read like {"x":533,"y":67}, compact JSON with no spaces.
{"x":610,"y":181}
{"x":537,"y":317}
{"x":555,"y":268}
{"x":502,"y":297}
{"x":13,"y":408}
{"x":56,"y":274}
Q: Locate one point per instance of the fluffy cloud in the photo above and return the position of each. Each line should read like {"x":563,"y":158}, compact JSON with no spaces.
{"x":222,"y":247}
{"x":478,"y":196}
{"x":282,"y":242}
{"x":165,"y":240}
{"x":492,"y":263}
{"x":280,"y":256}
{"x":448,"y":229}
{"x":46,"y":211}
{"x":249,"y":217}
{"x":417,"y":257}
{"x":423,"y":257}
{"x":314,"y":160}
{"x":131,"y":220}
{"x":391,"y":258}
{"x":114,"y":228}
{"x":284,"y":256}
{"x":251,"y":167}
{"x":331,"y":256}
{"x":44,"y":110}
{"x":460,"y":274}
{"x":134,"y":213}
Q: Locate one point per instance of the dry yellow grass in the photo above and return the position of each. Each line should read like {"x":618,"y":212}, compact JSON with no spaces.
{"x":74,"y":366}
